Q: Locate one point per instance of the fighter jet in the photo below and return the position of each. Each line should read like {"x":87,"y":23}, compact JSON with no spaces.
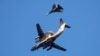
{"x":55,"y":8}
{"x":47,"y":39}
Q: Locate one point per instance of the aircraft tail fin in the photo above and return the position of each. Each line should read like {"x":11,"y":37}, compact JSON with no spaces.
{"x":62,"y":22}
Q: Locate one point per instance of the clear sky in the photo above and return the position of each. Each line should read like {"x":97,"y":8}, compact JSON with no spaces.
{"x":19,"y":17}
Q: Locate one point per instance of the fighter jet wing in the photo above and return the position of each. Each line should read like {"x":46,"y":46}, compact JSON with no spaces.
{"x":58,"y":47}
{"x":59,"y":6}
{"x":39,"y":30}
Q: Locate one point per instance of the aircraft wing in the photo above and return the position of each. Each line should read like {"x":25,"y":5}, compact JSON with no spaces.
{"x":58,"y":47}
{"x":60,"y":6}
{"x":39,"y":30}
{"x":35,"y":48}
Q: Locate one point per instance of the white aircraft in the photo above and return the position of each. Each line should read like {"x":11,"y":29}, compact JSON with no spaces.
{"x":55,"y":8}
{"x":47,"y":39}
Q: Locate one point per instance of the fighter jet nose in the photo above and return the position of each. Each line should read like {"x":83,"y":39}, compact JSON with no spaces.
{"x":67,"y":26}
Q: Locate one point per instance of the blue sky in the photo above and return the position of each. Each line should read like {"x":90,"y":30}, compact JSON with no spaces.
{"x":18,"y":19}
